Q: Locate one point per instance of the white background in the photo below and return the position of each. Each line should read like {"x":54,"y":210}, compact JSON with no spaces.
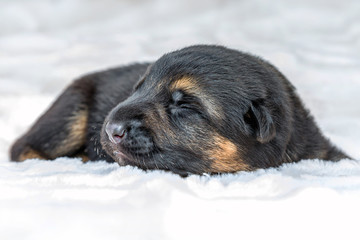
{"x":44,"y":44}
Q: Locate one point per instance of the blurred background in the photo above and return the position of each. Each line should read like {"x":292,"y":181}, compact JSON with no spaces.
{"x":45,"y":44}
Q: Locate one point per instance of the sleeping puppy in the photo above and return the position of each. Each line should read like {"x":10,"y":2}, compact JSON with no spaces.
{"x":201,"y":109}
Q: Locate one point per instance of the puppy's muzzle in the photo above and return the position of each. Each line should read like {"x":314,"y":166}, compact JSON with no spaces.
{"x":129,"y":136}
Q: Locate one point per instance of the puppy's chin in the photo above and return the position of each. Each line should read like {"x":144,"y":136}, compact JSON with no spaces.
{"x":113,"y":150}
{"x":120,"y":157}
{"x":118,"y":154}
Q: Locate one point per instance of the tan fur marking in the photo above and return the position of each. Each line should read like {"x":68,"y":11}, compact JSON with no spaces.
{"x":319,"y":155}
{"x":225,"y":156}
{"x":190,"y":86}
{"x":29,"y":154}
{"x":158,"y":121}
{"x":186,"y":84}
{"x":77,"y":134}
{"x":84,"y":158}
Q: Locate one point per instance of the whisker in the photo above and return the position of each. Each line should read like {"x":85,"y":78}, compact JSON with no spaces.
{"x":155,"y":162}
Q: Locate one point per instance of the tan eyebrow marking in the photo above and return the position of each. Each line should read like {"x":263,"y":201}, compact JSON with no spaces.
{"x":190,"y":86}
{"x":186,"y":84}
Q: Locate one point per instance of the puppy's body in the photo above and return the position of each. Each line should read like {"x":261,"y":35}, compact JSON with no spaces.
{"x":94,"y":96}
{"x":199,"y":109}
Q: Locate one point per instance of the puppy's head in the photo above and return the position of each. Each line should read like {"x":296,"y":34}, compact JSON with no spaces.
{"x":202,"y":109}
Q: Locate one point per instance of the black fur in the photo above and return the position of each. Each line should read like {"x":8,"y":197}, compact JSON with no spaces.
{"x":199,"y":109}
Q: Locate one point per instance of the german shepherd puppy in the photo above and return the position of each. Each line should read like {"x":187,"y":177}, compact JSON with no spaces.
{"x":201,"y":109}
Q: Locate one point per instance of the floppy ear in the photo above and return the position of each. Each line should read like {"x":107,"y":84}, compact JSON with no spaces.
{"x":261,"y":122}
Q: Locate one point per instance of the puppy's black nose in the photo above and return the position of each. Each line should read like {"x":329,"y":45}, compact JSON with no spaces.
{"x":115,"y":131}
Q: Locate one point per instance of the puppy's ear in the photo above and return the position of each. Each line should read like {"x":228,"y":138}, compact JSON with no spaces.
{"x":259,"y":119}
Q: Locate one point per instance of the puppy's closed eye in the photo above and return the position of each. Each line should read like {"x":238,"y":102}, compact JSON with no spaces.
{"x":183,"y":105}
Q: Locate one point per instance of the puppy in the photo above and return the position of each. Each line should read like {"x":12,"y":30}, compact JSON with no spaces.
{"x":201,"y":109}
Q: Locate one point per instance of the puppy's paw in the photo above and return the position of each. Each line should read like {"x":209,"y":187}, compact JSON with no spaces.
{"x":21,"y":151}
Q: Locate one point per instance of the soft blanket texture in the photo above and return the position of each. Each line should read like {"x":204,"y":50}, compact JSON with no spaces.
{"x":45,"y":44}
